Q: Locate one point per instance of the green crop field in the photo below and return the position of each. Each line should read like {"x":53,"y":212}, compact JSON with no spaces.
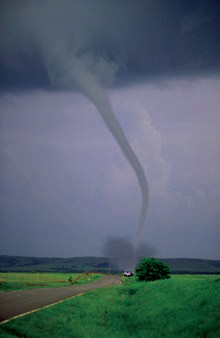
{"x":18,"y":281}
{"x":182,"y":306}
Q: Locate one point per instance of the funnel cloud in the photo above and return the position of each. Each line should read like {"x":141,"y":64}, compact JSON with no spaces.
{"x":68,"y":68}
{"x":97,"y":95}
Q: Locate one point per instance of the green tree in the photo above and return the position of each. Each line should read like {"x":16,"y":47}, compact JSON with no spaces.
{"x":70,"y":279}
{"x":150,"y":269}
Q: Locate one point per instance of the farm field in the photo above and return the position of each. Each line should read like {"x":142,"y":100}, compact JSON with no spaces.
{"x":182,"y":306}
{"x":19,"y":281}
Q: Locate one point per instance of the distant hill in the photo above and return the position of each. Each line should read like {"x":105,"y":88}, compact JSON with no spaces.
{"x":192,"y":265}
{"x":98,"y":264}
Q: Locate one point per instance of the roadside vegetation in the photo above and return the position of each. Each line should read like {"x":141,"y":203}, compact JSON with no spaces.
{"x":183,"y":306}
{"x":19,"y":281}
{"x":151,"y":269}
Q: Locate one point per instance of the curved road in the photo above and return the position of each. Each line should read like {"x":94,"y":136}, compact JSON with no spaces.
{"x":16,"y":303}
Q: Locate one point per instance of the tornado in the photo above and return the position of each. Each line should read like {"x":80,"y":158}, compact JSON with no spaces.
{"x":71,"y":71}
{"x":57,"y":32}
{"x":90,"y":87}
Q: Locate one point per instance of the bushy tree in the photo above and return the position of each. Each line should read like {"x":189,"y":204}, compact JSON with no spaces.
{"x":150,"y":269}
{"x":70,"y":279}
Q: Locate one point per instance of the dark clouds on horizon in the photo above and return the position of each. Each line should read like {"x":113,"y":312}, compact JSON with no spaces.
{"x":133,"y":39}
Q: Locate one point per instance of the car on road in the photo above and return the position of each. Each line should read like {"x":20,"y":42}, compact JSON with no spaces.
{"x":128,"y":274}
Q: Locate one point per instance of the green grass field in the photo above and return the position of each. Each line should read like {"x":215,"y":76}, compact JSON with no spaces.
{"x":19,"y":281}
{"x":182,"y":306}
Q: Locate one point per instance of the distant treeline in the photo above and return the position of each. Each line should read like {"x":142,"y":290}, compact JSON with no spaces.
{"x":99,"y":264}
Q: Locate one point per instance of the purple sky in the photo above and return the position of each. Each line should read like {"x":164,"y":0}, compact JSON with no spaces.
{"x":65,"y":184}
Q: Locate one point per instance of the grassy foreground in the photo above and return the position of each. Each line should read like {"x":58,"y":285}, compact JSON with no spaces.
{"x":182,"y":306}
{"x":19,"y":281}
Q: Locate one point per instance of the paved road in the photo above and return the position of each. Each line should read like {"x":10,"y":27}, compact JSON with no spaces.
{"x":15,"y":303}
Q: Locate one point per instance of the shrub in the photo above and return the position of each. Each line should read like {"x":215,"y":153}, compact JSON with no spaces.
{"x":150,"y":269}
{"x":70,"y":279}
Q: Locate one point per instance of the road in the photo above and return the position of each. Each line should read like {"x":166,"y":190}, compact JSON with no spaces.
{"x":15,"y":303}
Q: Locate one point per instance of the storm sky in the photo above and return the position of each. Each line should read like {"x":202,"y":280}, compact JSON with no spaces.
{"x":65,"y":185}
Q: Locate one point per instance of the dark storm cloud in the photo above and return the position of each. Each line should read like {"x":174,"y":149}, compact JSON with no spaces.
{"x":131,"y":38}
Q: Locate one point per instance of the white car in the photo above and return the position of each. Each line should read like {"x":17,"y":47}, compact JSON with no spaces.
{"x":128,"y":274}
